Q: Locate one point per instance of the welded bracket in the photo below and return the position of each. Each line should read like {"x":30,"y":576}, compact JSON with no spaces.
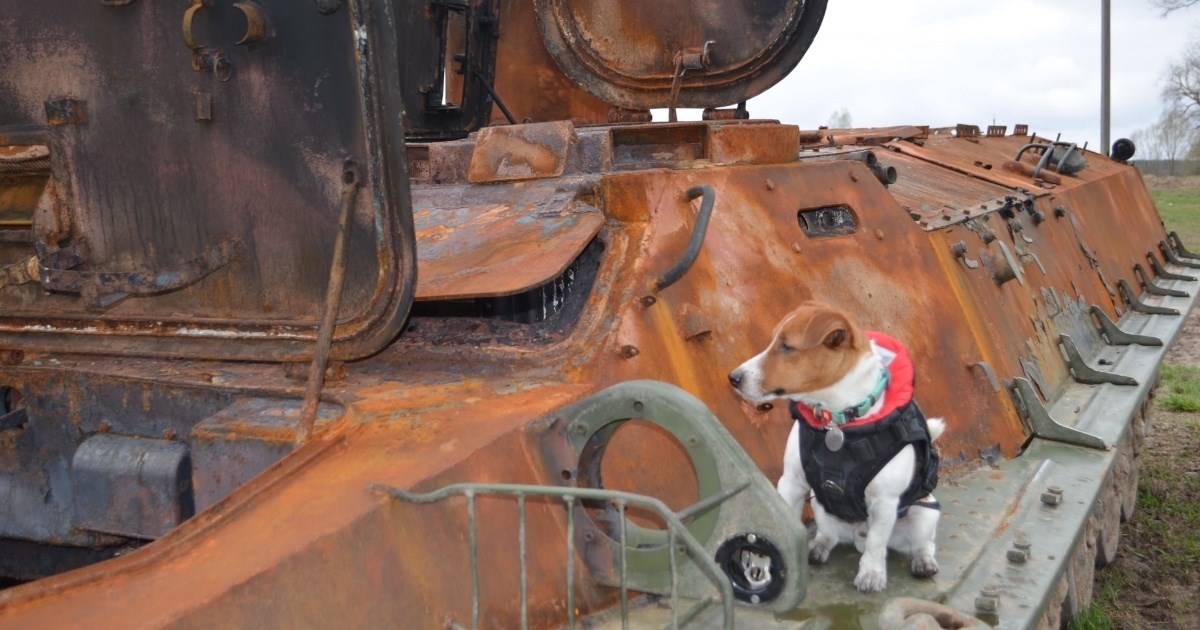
{"x":1140,"y":306}
{"x":1161,"y":271}
{"x":1173,"y":238}
{"x":1118,"y":337}
{"x":1169,"y":255}
{"x":1085,"y":373}
{"x":982,"y":366}
{"x":1035,"y":416}
{"x":1154,"y":289}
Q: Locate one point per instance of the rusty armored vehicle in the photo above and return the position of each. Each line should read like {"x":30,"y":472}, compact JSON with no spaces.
{"x":382,"y":313}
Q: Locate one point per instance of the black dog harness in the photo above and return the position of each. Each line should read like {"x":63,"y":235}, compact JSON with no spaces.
{"x":839,"y":478}
{"x":845,"y":473}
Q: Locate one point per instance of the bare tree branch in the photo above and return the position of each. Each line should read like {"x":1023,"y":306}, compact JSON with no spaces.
{"x":1168,"y":6}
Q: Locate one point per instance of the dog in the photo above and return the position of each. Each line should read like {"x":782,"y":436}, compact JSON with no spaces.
{"x":859,"y":443}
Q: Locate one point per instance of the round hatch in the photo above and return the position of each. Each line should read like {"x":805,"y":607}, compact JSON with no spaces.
{"x":642,"y":54}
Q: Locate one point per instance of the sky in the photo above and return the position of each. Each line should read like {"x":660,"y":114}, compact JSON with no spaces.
{"x":943,"y":62}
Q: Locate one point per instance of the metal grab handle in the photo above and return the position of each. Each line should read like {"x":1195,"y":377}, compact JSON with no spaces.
{"x":693,"y":249}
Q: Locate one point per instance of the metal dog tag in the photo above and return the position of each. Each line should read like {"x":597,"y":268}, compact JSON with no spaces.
{"x":834,"y":438}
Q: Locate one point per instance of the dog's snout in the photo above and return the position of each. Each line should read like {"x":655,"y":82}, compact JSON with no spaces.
{"x":735,"y":377}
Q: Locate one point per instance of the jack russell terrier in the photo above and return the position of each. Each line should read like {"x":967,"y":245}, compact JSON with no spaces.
{"x":859,"y":444}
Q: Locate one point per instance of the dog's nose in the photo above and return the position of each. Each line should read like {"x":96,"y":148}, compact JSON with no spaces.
{"x":735,"y":378}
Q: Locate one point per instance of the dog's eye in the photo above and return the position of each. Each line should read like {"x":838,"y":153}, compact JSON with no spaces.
{"x":785,"y":348}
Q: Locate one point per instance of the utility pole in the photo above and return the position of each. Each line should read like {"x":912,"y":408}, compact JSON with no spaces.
{"x":1105,"y":71}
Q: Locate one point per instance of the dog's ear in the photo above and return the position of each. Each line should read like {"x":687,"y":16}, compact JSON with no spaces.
{"x":829,"y":328}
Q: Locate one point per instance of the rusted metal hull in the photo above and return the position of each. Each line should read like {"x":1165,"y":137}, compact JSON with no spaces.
{"x":310,"y":543}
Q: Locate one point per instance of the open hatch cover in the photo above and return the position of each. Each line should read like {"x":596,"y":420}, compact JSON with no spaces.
{"x":172,"y":173}
{"x":642,"y":54}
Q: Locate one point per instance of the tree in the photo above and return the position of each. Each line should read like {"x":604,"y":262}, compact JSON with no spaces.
{"x":1172,"y":5}
{"x":1170,"y":138}
{"x":840,"y":118}
{"x":1183,"y":81}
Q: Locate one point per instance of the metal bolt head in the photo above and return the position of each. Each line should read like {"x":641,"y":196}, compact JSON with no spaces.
{"x":754,"y":599}
{"x":648,"y":301}
{"x":751,"y":538}
{"x":1052,"y":496}
{"x":628,"y":351}
{"x":1017,"y":556}
{"x":988,"y":599}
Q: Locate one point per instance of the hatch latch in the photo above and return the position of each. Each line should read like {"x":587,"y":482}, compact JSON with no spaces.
{"x":695,"y":58}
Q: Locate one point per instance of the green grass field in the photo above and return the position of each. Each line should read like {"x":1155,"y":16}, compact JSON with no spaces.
{"x":1180,"y":210}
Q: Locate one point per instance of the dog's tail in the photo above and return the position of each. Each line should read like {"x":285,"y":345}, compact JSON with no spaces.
{"x":936,"y":427}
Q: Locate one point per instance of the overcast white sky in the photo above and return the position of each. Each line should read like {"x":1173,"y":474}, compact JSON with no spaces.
{"x":942,"y":62}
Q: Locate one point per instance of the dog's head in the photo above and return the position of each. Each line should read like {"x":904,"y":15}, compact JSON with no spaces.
{"x":813,"y":347}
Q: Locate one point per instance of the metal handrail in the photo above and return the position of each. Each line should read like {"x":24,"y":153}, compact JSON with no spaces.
{"x":675,"y":529}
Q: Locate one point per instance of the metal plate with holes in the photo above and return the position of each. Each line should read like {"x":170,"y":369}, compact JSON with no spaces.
{"x":196,"y":166}
{"x":625,"y":52}
{"x":739,"y":516}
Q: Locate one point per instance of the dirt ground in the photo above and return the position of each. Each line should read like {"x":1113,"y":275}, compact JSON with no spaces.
{"x":1155,"y":580}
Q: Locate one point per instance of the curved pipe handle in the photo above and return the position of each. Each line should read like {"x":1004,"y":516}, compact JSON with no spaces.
{"x":693,"y":249}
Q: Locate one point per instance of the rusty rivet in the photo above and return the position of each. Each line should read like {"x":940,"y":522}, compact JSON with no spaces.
{"x":878,"y":234}
{"x":581,"y":429}
{"x":796,"y":248}
{"x":628,"y":351}
{"x":588,"y":536}
{"x":693,"y":441}
{"x":103,"y":428}
{"x":168,"y":434}
{"x":11,"y":357}
{"x":648,"y":300}
{"x":769,"y":184}
{"x":764,"y":407}
{"x":923,"y":223}
{"x":853,"y":177}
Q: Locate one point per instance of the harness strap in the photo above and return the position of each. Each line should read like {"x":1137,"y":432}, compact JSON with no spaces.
{"x":843,"y":475}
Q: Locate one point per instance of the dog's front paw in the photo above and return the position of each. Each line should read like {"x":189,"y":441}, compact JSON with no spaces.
{"x":818,"y":550}
{"x":924,"y":566}
{"x":870,"y":580}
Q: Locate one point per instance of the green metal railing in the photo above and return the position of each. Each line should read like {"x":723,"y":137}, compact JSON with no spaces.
{"x":676,"y":532}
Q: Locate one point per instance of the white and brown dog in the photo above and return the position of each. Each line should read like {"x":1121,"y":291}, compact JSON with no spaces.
{"x":859,"y":444}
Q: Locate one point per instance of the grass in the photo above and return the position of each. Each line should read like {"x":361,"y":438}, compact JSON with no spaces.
{"x":1180,"y":388}
{"x":1180,"y":211}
